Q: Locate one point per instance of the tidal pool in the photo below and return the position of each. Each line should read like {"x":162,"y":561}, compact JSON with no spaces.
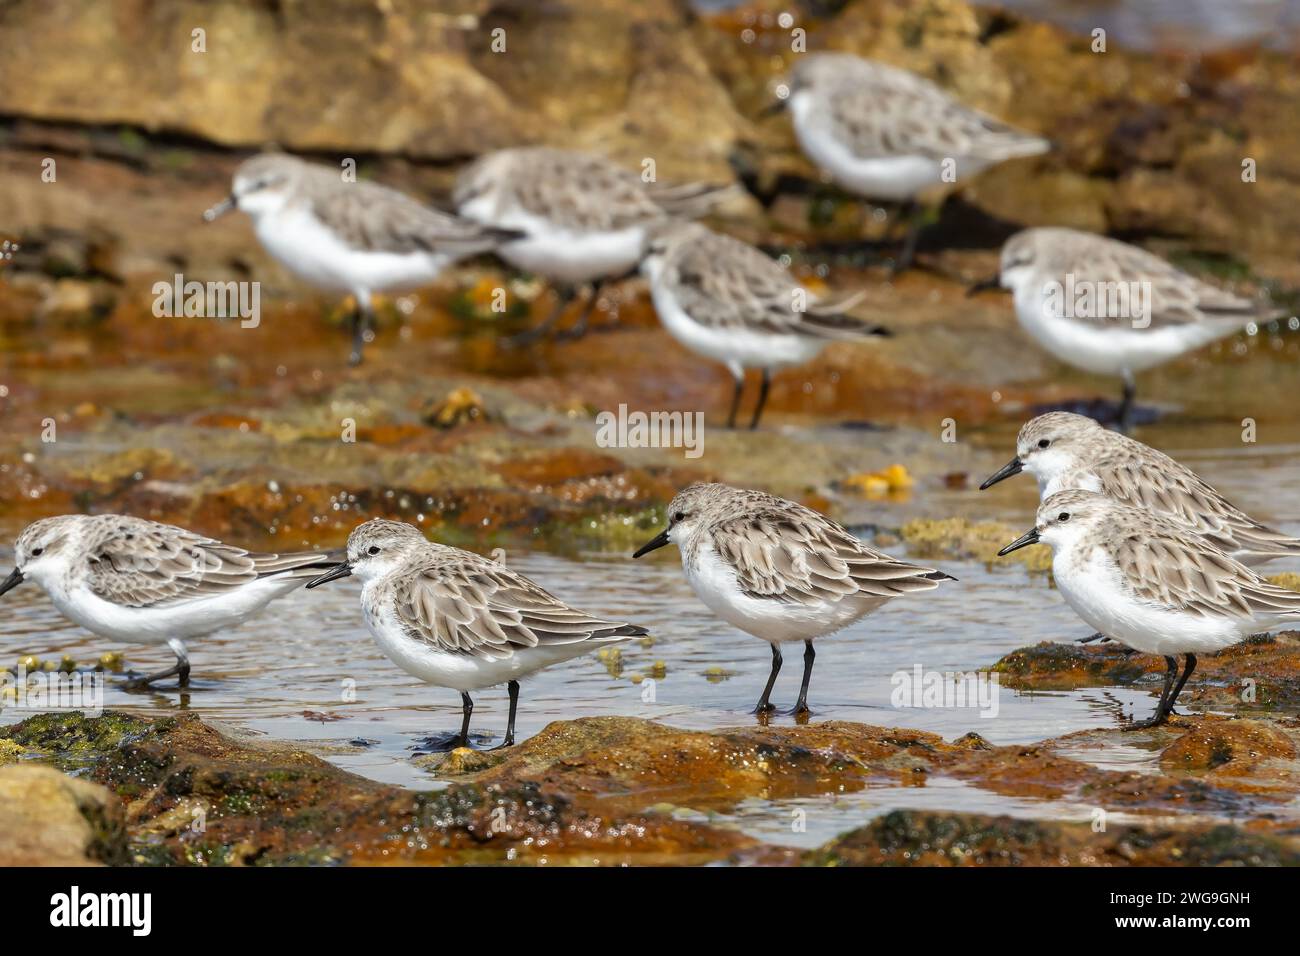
{"x":307,"y":671}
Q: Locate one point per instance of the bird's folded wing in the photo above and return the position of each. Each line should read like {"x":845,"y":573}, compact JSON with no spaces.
{"x":724,"y":284}
{"x":571,"y":190}
{"x":805,"y":558}
{"x":488,"y":611}
{"x":373,"y":218}
{"x":1176,"y":570}
{"x":917,"y":118}
{"x":155,"y":565}
{"x":1142,"y":290}
{"x":1161,"y":485}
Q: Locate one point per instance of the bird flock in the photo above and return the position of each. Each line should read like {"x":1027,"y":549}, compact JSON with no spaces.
{"x":1147,"y":553}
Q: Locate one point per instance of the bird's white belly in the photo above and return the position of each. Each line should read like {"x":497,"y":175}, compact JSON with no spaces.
{"x":714,"y":582}
{"x":463,"y":672}
{"x":1095,"y":591}
{"x":1111,"y":349}
{"x":157,"y":625}
{"x":559,"y":254}
{"x":736,"y":347}
{"x":299,"y":241}
{"x":890,"y":178}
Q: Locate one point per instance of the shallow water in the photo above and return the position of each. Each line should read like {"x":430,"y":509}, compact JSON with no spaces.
{"x":287,"y":674}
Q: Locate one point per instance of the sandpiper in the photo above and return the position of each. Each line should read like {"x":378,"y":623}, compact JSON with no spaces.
{"x":456,"y":619}
{"x":582,"y":217}
{"x":1110,"y":308}
{"x":133,"y":580}
{"x":726,"y":300}
{"x":780,"y":571}
{"x":885,"y":133}
{"x":348,"y":235}
{"x":1063,"y":450}
{"x":1153,"y":585}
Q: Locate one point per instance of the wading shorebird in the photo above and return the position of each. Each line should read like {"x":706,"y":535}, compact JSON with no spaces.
{"x":780,"y":571}
{"x":581,"y":219}
{"x":138,"y":581}
{"x":1151,"y":584}
{"x":347,"y":235}
{"x":1109,"y":308}
{"x":725,"y":300}
{"x":887,"y":134}
{"x":1063,"y":451}
{"x":456,"y":619}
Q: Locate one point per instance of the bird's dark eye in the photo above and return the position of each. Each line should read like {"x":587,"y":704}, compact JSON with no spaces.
{"x":1063,"y":516}
{"x":1044,"y":442}
{"x":679,"y":516}
{"x":37,"y":552}
{"x":373,"y":549}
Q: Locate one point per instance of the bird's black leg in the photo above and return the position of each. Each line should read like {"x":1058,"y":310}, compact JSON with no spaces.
{"x":358,"y":322}
{"x":467,"y":708}
{"x":1126,"y":405}
{"x":914,"y":224}
{"x":735,"y":400}
{"x":1171,"y":671}
{"x":513,"y":688}
{"x":564,"y":294}
{"x":1178,"y":689}
{"x":579,"y":328}
{"x":801,"y":706}
{"x":764,"y":706}
{"x":180,"y":670}
{"x":762,"y":399}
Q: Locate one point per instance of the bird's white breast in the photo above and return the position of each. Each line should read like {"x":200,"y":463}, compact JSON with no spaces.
{"x":562,"y":254}
{"x":714,"y":582}
{"x":738,"y":347}
{"x":1093,"y":586}
{"x":304,"y":245}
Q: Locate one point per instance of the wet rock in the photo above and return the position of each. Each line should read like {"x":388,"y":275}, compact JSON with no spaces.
{"x":195,"y":796}
{"x":920,"y":838}
{"x":595,"y":790}
{"x":1228,"y":748}
{"x":1259,"y":674}
{"x":50,"y":819}
{"x":1051,"y":665}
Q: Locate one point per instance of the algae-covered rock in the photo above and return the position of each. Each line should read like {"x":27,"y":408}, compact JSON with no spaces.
{"x":922,"y":838}
{"x":1259,"y":674}
{"x":963,"y":538}
{"x":10,"y":751}
{"x":1234,"y":748}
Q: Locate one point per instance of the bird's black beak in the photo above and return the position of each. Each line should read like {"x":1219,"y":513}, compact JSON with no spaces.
{"x":338,"y":571}
{"x":654,"y":544}
{"x":11,"y":582}
{"x":983,"y":285}
{"x":1012,"y":468}
{"x":221,"y":208}
{"x":1026,"y":539}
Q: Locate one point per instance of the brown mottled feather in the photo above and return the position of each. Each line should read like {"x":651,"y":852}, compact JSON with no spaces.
{"x":460,"y":602}
{"x":139,"y":563}
{"x":723,"y":283}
